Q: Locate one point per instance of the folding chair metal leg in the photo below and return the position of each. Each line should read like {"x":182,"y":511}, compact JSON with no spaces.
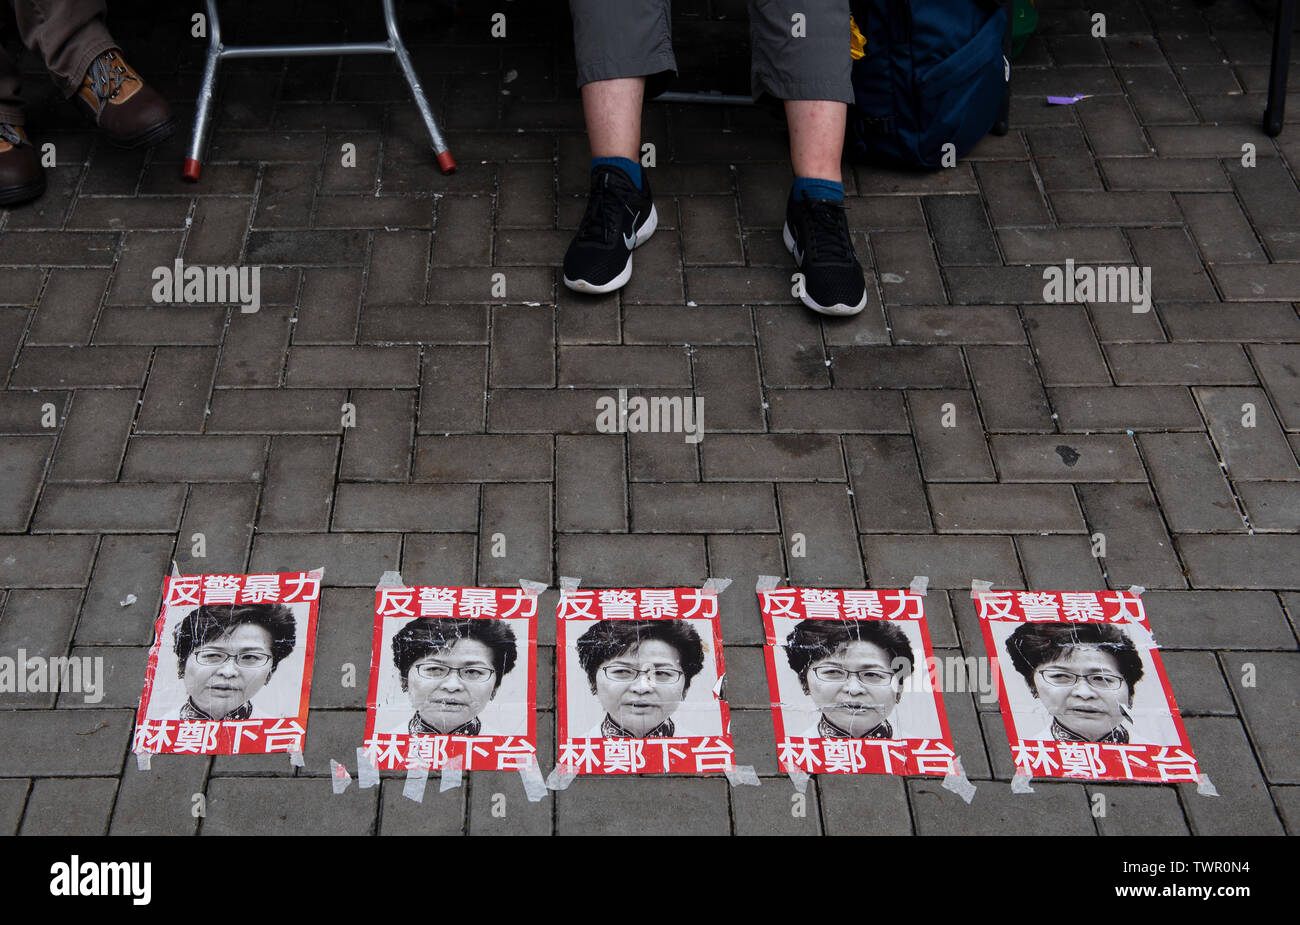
{"x":1275,"y":112}
{"x":445,"y":161}
{"x":203,"y":109}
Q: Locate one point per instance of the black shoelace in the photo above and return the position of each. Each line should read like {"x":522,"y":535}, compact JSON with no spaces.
{"x":106,"y":80}
{"x":828,"y":232}
{"x":603,"y":217}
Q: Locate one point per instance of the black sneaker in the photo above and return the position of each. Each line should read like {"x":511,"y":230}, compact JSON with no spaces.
{"x":619,"y":219}
{"x":817,"y":234}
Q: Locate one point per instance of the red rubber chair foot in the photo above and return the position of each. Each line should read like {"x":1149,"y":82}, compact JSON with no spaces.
{"x":191,"y":170}
{"x":446,"y":163}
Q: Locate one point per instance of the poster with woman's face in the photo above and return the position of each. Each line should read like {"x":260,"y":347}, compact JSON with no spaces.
{"x":1082,"y":687}
{"x":640,"y":673}
{"x":852,"y":682}
{"x":229,"y":671}
{"x":452,"y":677}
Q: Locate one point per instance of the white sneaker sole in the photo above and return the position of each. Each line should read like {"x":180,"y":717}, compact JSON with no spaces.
{"x":839,"y":308}
{"x":618,"y":282}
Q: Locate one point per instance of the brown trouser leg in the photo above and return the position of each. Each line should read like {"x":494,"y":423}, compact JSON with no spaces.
{"x":67,"y":34}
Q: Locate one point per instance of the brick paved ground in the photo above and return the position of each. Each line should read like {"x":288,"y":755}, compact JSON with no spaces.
{"x":475,"y":413}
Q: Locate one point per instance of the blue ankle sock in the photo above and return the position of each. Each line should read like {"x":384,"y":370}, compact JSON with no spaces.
{"x":818,"y":189}
{"x":628,"y":166}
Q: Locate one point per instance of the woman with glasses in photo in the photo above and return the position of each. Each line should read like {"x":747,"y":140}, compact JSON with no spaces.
{"x":640,"y":671}
{"x":451,"y":668}
{"x":853,"y":670}
{"x":1083,"y":674}
{"x":227,"y":653}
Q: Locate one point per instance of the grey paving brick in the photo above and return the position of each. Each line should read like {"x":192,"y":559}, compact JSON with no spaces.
{"x":176,"y":398}
{"x":95,"y":435}
{"x":1287,"y":800}
{"x":1279,"y":369}
{"x":430,"y":324}
{"x":25,"y":412}
{"x":452,"y":389}
{"x":446,"y":559}
{"x":886,"y":480}
{"x":1189,"y":483}
{"x":123,"y":670}
{"x":711,"y":230}
{"x":907,"y":268}
{"x":344,"y":632}
{"x":1250,"y":283}
{"x":141,"y":253}
{"x":728,"y":285}
{"x":1266,"y":706}
{"x":39,"y":623}
{"x":632,"y":561}
{"x":224,"y":515}
{"x":898,"y":367}
{"x":1258,"y":452}
{"x":656,"y":457}
{"x":64,"y":743}
{"x":1137,"y":408}
{"x":109,"y":508}
{"x":266,"y":806}
{"x":22,"y":468}
{"x":1012,"y":194}
{"x":1114,"y":208}
{"x":554,"y":411}
{"x":383,"y":508}
{"x":1116,"y":322}
{"x":590,"y":484}
{"x":840,"y":411}
{"x":823,"y":515}
{"x":727,"y":379}
{"x":475,"y":458}
{"x":961,"y":230}
{"x":159,"y":801}
{"x":353,"y":367}
{"x":1072,"y":458}
{"x":80,"y":367}
{"x":45,"y":561}
{"x":379,"y":446}
{"x":195,"y":458}
{"x":330,"y":306}
{"x":296,"y":495}
{"x":772,"y":458}
{"x":126,"y":565}
{"x":1213,"y":321}
{"x":522,"y":515}
{"x":1137,"y":810}
{"x":1065,"y":345}
{"x":1197,"y":682}
{"x":1193,"y":175}
{"x":949,"y":561}
{"x":185,"y":324}
{"x":438,"y":814}
{"x":1057,"y":807}
{"x":1243,"y":805}
{"x":1266,"y":190}
{"x":1271,"y":505}
{"x":68,"y":306}
{"x":1062,"y":562}
{"x":72,"y":806}
{"x":1260,"y":561}
{"x":742,"y":558}
{"x":254,"y":351}
{"x":775,"y":809}
{"x":949,"y":453}
{"x":1007,"y":383}
{"x":277,"y":411}
{"x":350,"y":559}
{"x":1218,"y":620}
{"x":962,"y":508}
{"x":643,"y":806}
{"x":523,"y":342}
{"x":656,"y":324}
{"x":1179,"y":364}
{"x":968,"y":324}
{"x":1138,"y":548}
{"x":1221,"y":229}
{"x":470,"y":243}
{"x":863,"y":804}
{"x":398,"y":262}
{"x":612,"y":367}
{"x":791,"y":349}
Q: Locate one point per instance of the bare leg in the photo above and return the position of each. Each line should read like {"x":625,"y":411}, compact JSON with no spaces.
{"x":816,"y":137}
{"x":612,"y":109}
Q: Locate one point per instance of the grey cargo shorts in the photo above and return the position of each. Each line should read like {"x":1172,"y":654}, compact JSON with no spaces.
{"x":633,"y":38}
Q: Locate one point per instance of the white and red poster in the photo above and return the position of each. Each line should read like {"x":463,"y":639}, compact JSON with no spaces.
{"x":229,"y":672}
{"x":640,"y":682}
{"x":452,"y":679}
{"x":1082,"y":688}
{"x":853,"y":682}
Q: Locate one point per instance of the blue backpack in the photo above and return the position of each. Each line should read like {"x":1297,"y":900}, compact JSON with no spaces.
{"x":932,"y":73}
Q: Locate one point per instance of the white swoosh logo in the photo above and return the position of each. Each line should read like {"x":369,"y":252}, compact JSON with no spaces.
{"x":798,"y":255}
{"x":629,"y":240}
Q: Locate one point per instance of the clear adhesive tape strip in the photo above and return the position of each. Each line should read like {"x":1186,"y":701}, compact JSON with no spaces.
{"x":716,"y":585}
{"x":920,"y":584}
{"x":743,"y":775}
{"x":390,"y":579}
{"x":979,"y":586}
{"x":1020,"y":782}
{"x":798,"y":778}
{"x":176,"y":573}
{"x":534,"y":783}
{"x":560,"y":777}
{"x":142,"y":760}
{"x":569,"y":584}
{"x":767,"y":582}
{"x":956,"y":781}
{"x":533,"y":587}
{"x":340,"y":779}
{"x":1136,"y":589}
{"x":1204,"y":787}
{"x":413,"y":789}
{"x":367,"y":773}
{"x":452,"y":775}
{"x":295,"y":758}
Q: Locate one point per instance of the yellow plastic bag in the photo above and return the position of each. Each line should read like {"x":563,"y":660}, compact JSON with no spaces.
{"x":858,"y":43}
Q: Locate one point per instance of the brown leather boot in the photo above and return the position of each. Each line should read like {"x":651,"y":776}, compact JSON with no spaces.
{"x":21,"y":176}
{"x":116,"y":97}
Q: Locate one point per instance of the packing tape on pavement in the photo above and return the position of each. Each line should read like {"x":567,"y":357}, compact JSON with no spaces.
{"x":716,"y":585}
{"x":295,"y":758}
{"x":533,"y":587}
{"x":1136,"y":589}
{"x":534,"y":783}
{"x":340,"y":779}
{"x":142,"y":760}
{"x":568,"y":584}
{"x":390,"y":579}
{"x":979,"y":586}
{"x":1020,"y":782}
{"x":367,"y":773}
{"x":919,"y":585}
{"x":743,"y":775}
{"x":1204,"y":787}
{"x":560,"y":777}
{"x":452,"y":775}
{"x":413,"y":789}
{"x":767,"y":582}
{"x":956,"y":781}
{"x":798,"y":778}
